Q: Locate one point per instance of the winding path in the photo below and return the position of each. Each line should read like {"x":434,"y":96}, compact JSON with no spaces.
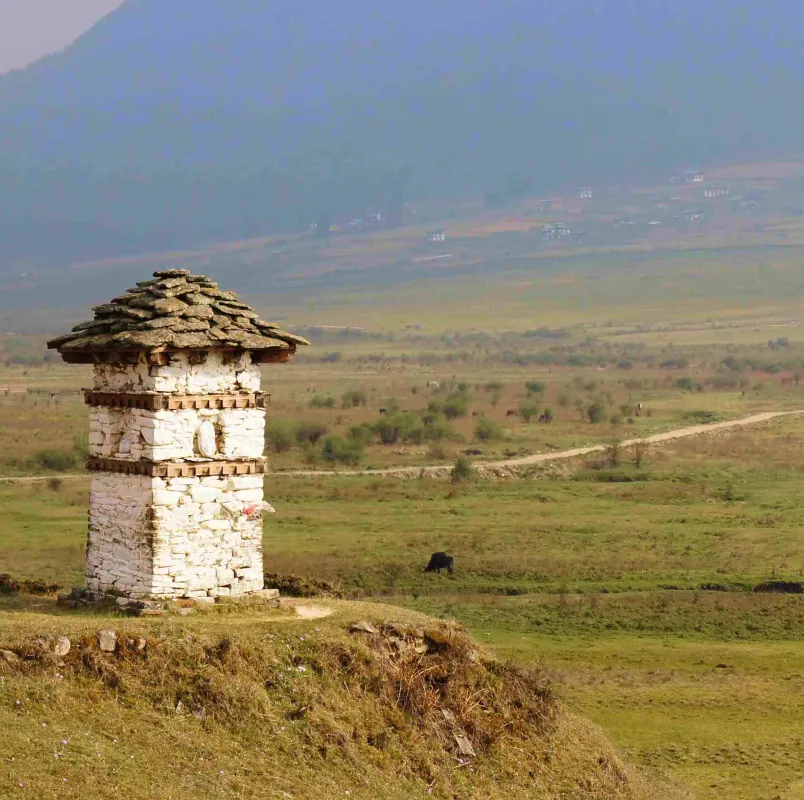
{"x":513,"y":463}
{"x":540,"y":458}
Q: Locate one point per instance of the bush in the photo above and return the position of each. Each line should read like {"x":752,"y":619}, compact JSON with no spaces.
{"x":325,"y":401}
{"x":548,"y":415}
{"x":702,"y":417}
{"x":685,"y":383}
{"x":462,"y":470}
{"x":437,"y":428}
{"x":535,"y":387}
{"x":361,"y":434}
{"x":312,"y":432}
{"x":596,"y":412}
{"x":494,"y":386}
{"x":56,"y":460}
{"x":487,"y":430}
{"x":338,"y":450}
{"x":406,"y":427}
{"x":354,"y":398}
{"x":456,"y":405}
{"x":279,"y":436}
{"x":528,"y":410}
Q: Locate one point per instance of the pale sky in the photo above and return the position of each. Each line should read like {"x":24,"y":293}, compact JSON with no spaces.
{"x":30,"y":29}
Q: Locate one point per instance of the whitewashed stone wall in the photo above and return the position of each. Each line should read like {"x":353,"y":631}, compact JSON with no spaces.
{"x":134,"y":434}
{"x":120,"y":545}
{"x":180,"y":376}
{"x":175,"y":538}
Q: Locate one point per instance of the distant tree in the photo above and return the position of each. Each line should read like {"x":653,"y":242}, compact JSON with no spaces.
{"x":462,"y":470}
{"x":528,"y":410}
{"x":596,"y":412}
{"x":487,"y":430}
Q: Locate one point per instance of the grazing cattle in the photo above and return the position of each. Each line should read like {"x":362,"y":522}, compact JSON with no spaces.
{"x":544,"y":418}
{"x":512,"y":412}
{"x":473,"y":452}
{"x":383,"y":412}
{"x":439,"y":561}
{"x":433,"y":385}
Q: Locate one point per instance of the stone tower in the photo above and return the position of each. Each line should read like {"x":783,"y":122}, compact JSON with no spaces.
{"x":176,"y":439}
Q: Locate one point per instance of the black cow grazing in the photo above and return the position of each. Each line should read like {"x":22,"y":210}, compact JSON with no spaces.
{"x":383,"y":412}
{"x":511,"y":412}
{"x":439,"y":561}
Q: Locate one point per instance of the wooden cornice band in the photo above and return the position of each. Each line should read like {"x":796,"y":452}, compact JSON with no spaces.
{"x":170,"y":402}
{"x":168,"y":469}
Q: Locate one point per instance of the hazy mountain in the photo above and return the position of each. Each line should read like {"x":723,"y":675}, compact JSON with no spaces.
{"x":176,"y":121}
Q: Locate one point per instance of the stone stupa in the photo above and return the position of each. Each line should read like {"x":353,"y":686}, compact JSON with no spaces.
{"x":177,"y":430}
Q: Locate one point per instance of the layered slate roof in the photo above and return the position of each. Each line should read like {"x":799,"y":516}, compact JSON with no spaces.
{"x":175,"y":311}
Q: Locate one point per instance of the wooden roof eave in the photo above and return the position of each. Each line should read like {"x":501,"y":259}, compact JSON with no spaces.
{"x":163,"y":355}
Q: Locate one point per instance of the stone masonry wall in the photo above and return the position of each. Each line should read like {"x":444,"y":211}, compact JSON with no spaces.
{"x":175,"y":538}
{"x":134,"y":434}
{"x":119,"y":548}
{"x":180,"y":376}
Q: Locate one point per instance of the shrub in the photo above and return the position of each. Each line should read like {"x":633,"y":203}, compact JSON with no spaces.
{"x":279,"y":436}
{"x":56,"y":460}
{"x":401,"y":426}
{"x":462,"y":470}
{"x":535,"y":387}
{"x":528,"y":410}
{"x":457,"y":405}
{"x":338,"y":450}
{"x":616,"y":419}
{"x":361,"y":433}
{"x":702,"y":417}
{"x":596,"y":412}
{"x":548,"y":415}
{"x":322,"y":401}
{"x":312,"y":432}
{"x":487,"y":430}
{"x":437,"y":428}
{"x":54,"y":484}
{"x":354,"y":398}
{"x":494,"y":386}
{"x":685,"y":383}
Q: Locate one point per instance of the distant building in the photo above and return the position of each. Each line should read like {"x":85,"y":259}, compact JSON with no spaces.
{"x":691,"y":215}
{"x":585,"y":193}
{"x":694,"y":176}
{"x":716,"y":190}
{"x":437,"y":236}
{"x":552,"y":233}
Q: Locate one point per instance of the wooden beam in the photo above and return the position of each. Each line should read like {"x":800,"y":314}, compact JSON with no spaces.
{"x":177,"y":469}
{"x":277,"y":356}
{"x":170,"y":402}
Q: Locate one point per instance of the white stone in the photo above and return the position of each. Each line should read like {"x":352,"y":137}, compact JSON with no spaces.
{"x":249,"y":495}
{"x":204,"y":494}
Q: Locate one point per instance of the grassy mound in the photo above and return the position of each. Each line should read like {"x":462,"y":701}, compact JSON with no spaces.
{"x":255,"y":704}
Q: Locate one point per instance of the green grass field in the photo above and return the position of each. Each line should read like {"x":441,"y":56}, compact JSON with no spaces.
{"x":573,"y":570}
{"x":631,"y":586}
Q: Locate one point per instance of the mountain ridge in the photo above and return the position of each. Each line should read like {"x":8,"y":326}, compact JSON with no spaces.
{"x":171,"y":123}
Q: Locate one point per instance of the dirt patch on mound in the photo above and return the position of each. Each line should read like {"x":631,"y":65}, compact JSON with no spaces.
{"x":9,"y":585}
{"x":297,"y":586}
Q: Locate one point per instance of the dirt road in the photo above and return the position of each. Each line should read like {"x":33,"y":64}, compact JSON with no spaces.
{"x":541,"y":458}
{"x":668,"y":436}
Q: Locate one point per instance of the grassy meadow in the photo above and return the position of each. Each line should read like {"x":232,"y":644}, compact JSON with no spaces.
{"x":631,"y":585}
